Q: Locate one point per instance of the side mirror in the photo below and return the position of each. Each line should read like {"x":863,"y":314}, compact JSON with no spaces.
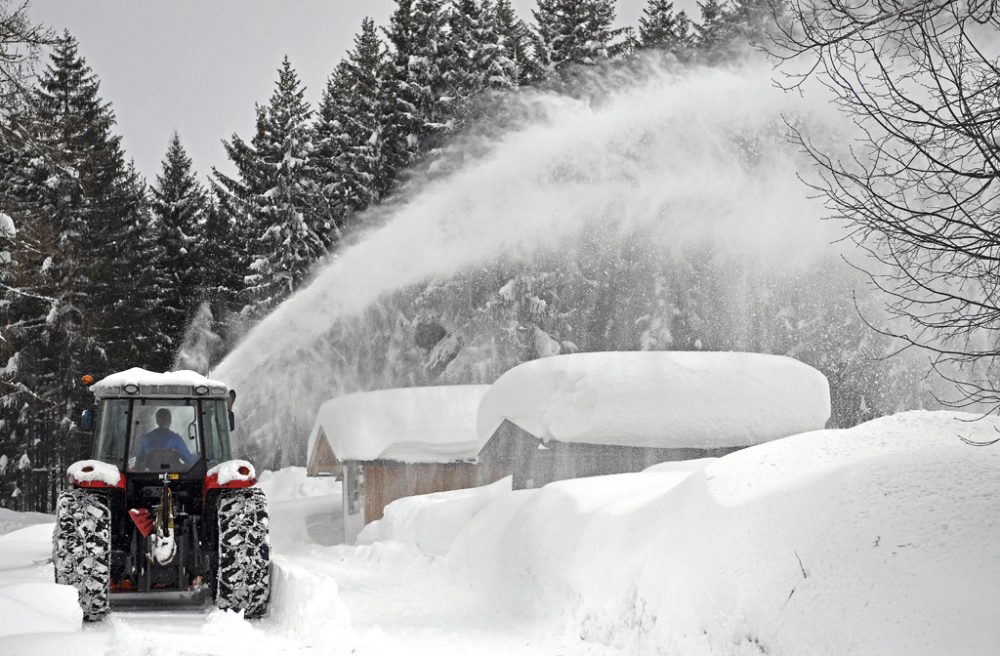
{"x":232,"y":420}
{"x":87,"y":419}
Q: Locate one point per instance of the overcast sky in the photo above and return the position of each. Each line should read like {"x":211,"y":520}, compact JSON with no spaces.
{"x":198,"y":66}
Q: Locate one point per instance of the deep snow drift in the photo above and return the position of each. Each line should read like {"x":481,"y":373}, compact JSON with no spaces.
{"x":880,"y":539}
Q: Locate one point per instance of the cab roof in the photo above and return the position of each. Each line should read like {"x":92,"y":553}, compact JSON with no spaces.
{"x":137,"y":382}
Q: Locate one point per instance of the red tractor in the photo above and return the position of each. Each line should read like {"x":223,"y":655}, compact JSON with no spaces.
{"x":162,"y":513}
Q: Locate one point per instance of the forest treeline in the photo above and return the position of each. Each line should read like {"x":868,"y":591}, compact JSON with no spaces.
{"x":101,"y":269}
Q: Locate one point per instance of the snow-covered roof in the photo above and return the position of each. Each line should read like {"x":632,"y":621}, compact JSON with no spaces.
{"x":659,"y":399}
{"x":411,"y":424}
{"x":151,"y":383}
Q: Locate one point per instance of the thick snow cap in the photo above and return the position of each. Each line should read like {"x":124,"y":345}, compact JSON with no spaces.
{"x":150,"y":383}
{"x":412,"y":424}
{"x":659,"y":399}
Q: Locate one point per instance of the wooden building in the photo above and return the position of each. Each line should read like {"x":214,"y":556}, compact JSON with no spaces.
{"x":389,"y":444}
{"x":590,"y":414}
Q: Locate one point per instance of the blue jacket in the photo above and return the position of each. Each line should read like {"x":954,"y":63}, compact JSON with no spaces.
{"x":164,"y":438}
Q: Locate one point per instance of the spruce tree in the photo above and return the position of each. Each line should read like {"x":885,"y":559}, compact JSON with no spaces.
{"x":713,"y":30}
{"x":418,"y":110}
{"x":350,"y":158}
{"x":661,"y":29}
{"x":277,"y":195}
{"x":75,"y":308}
{"x":178,"y":205}
{"x":576,"y":32}
{"x":507,"y":59}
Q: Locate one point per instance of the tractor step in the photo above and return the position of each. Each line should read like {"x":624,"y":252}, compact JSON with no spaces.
{"x":160,"y":598}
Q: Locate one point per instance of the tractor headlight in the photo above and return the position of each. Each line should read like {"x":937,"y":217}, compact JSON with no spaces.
{"x":131,"y":388}
{"x":201,"y":389}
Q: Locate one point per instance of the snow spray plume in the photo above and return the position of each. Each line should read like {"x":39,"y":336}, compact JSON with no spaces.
{"x":668,"y":160}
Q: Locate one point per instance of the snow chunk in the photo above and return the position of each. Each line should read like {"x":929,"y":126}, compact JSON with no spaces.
{"x":94,"y":470}
{"x":306,"y":604}
{"x":659,"y":399}
{"x":7,"y":227}
{"x":229,"y":471}
{"x":413,"y":424}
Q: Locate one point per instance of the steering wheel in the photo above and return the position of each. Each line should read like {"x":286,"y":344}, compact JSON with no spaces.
{"x":161,"y":460}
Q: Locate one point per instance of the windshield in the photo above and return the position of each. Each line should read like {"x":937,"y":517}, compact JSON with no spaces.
{"x":165,"y":435}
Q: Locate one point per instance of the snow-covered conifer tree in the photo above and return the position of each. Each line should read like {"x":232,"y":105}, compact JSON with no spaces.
{"x":662,"y":29}
{"x":350,"y":159}
{"x":277,"y":196}
{"x":575,"y":32}
{"x":179,"y":204}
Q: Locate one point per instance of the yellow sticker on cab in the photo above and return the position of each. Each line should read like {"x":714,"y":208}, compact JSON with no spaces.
{"x":173,"y":477}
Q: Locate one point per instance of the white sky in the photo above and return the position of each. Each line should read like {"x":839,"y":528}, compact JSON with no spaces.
{"x":198,"y":66}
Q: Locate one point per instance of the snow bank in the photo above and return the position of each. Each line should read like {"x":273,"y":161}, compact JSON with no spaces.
{"x":35,"y":613}
{"x":306,"y":605}
{"x":89,"y":471}
{"x":431,"y":522}
{"x":659,"y":399}
{"x":11,"y":520}
{"x":304,"y":511}
{"x":291,"y":483}
{"x":880,"y":539}
{"x":413,"y":424}
{"x":38,"y":608}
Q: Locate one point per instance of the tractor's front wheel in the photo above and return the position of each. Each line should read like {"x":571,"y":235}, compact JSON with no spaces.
{"x":81,"y":549}
{"x":243,"y":577}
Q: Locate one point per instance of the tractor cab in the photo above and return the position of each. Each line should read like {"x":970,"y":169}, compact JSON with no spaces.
{"x":162,"y":423}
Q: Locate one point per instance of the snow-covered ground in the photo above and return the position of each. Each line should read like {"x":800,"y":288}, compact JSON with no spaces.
{"x":881,"y":539}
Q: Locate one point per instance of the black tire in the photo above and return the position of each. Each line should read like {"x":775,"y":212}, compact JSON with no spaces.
{"x":81,"y":549}
{"x":243,"y":578}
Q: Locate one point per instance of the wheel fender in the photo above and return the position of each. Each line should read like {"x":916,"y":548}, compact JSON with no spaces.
{"x":95,"y":474}
{"x":229,"y":475}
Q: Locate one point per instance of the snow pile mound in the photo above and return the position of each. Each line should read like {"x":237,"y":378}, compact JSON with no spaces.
{"x":292,"y":483}
{"x":659,"y":399}
{"x":229,"y":471}
{"x":431,"y":522}
{"x":880,"y":539}
{"x":38,"y":608}
{"x":89,"y":471}
{"x":306,"y":605}
{"x":413,"y":424}
{"x":304,"y":511}
{"x":11,"y":520}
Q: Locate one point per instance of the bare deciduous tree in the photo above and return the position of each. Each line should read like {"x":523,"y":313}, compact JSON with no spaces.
{"x":920,"y":187}
{"x":20,"y":41}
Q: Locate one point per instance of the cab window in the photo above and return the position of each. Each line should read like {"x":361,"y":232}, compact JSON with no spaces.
{"x":215,"y":418}
{"x":112,"y":428}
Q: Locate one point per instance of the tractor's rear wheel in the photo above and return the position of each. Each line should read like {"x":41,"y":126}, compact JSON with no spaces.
{"x":81,"y":549}
{"x":243,"y":578}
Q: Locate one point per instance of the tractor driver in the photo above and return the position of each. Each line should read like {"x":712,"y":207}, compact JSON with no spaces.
{"x":162,"y":437}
